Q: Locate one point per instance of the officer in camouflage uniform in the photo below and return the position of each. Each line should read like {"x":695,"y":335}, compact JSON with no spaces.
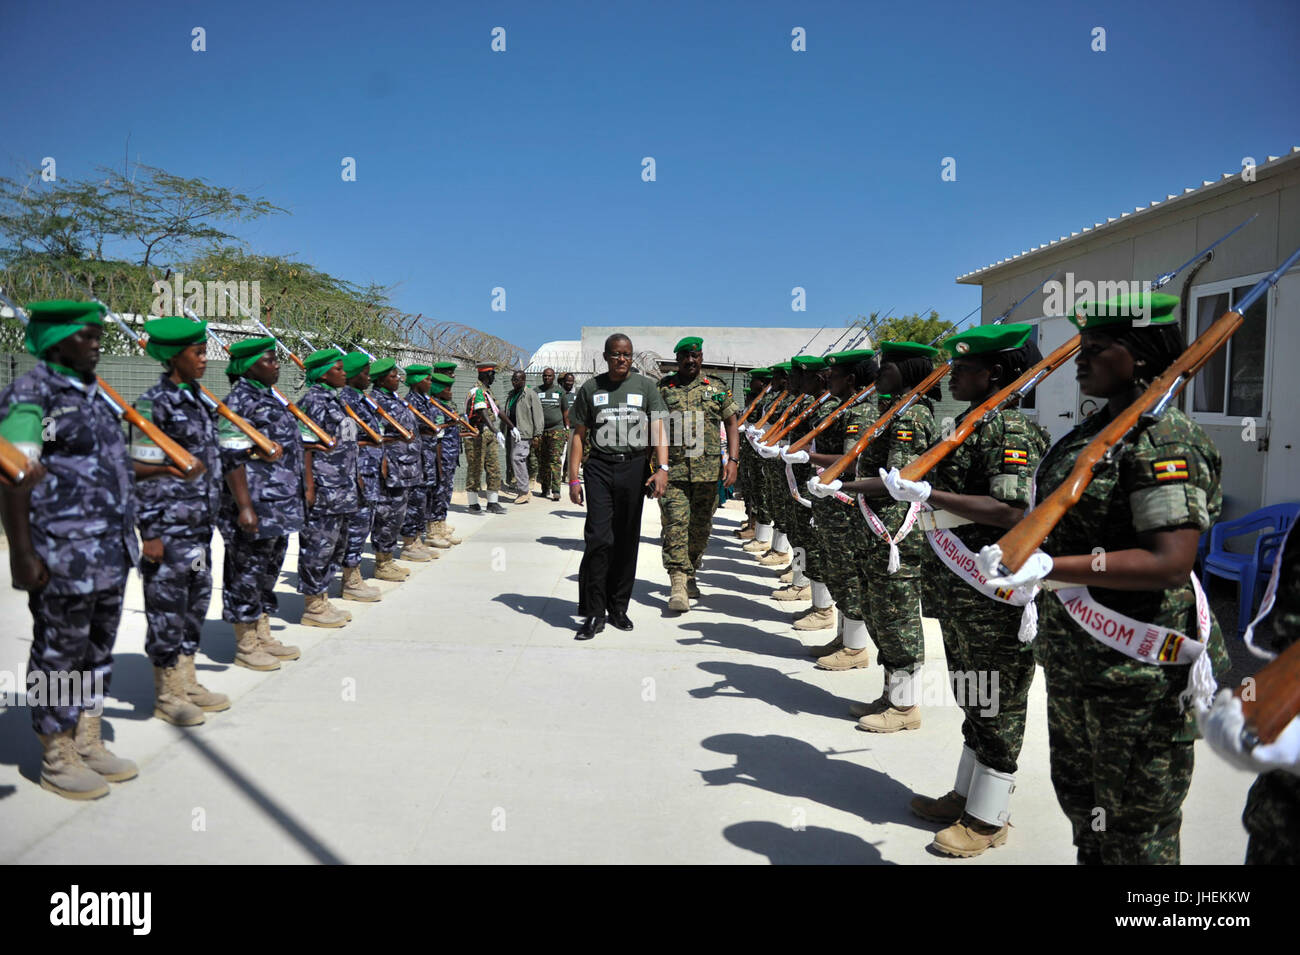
{"x":555,"y":433}
{"x":402,"y":470}
{"x":175,"y":518}
{"x":986,"y":485}
{"x":776,"y":549}
{"x":482,"y":411}
{"x":71,"y":542}
{"x":892,"y":575}
{"x":448,"y":454}
{"x":697,"y":408}
{"x":758,"y":378}
{"x":370,"y":457}
{"x":419,"y":510}
{"x":330,"y":480}
{"x":1120,"y":737}
{"x":261,"y":504}
{"x":764,"y":514}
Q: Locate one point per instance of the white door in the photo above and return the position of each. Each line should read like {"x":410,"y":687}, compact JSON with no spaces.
{"x":1282,"y":461}
{"x":1058,"y":396}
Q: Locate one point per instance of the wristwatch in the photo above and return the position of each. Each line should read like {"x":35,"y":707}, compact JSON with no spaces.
{"x":664,"y":467}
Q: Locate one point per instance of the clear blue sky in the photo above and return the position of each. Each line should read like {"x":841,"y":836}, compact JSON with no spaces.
{"x":775,"y":169}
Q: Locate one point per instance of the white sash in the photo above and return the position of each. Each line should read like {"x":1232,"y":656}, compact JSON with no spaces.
{"x":1266,"y":604}
{"x":794,"y":486}
{"x":959,"y":559}
{"x":878,"y":526}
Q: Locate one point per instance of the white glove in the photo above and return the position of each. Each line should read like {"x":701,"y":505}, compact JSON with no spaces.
{"x":1222,"y":726}
{"x":798,"y":457}
{"x":818,"y":489}
{"x":768,"y":451}
{"x":917,"y":492}
{"x":514,"y":433}
{"x":989,"y":561}
{"x":501,"y":439}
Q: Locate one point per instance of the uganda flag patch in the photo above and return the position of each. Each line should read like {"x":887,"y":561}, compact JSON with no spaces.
{"x":1015,"y":457}
{"x":1170,"y":469}
{"x":903,"y":434}
{"x":851,"y":429}
{"x":1169,"y":649}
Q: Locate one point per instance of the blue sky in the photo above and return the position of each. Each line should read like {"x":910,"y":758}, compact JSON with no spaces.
{"x":775,"y":169}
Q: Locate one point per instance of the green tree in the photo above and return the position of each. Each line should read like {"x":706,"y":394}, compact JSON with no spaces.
{"x":912,"y":328}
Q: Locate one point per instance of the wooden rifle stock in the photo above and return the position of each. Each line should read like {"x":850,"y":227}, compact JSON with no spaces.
{"x":14,"y":465}
{"x":1277,"y":696}
{"x":779,"y":424}
{"x":424,"y":419}
{"x":186,"y":463}
{"x":451,"y":414}
{"x":922,"y":466}
{"x":371,"y":433}
{"x":901,"y":405}
{"x":801,"y":417}
{"x":827,"y":421}
{"x":779,"y":398}
{"x":754,"y":404}
{"x":402,"y":432}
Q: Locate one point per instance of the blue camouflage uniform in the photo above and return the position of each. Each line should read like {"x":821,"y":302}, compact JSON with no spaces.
{"x":177,"y":589}
{"x":369,"y":457}
{"x":252,"y":563}
{"x":403,"y":472}
{"x":322,"y":543}
{"x":419,"y":507}
{"x":82,"y":519}
{"x":447,"y":461}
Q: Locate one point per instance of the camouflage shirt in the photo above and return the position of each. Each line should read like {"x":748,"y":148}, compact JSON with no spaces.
{"x":405,"y":458}
{"x":447,"y":437}
{"x":369,"y":456}
{"x":83,"y":512}
{"x":275,"y":487}
{"x":334,"y":473}
{"x":905,"y":438}
{"x":696,"y":411}
{"x":480,"y":398}
{"x":171,"y":506}
{"x":429,"y":440}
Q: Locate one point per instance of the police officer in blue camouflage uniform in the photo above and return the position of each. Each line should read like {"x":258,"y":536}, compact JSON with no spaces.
{"x":330,"y":484}
{"x":402,"y":469}
{"x":256,"y":533}
{"x":175,"y":518}
{"x":370,"y":456}
{"x":419,"y":510}
{"x":448,"y":452}
{"x":71,"y":541}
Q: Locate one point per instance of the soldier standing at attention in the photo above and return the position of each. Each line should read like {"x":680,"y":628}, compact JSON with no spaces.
{"x":418,"y":385}
{"x":401,"y":472}
{"x":261,"y":504}
{"x":448,"y":456}
{"x":618,"y":409}
{"x":978,"y":491}
{"x":370,"y":456}
{"x":765,"y":508}
{"x":482,"y":411}
{"x":1121,"y":723}
{"x":175,"y":518}
{"x":696,"y":408}
{"x":524,"y":409}
{"x":555,"y":433}
{"x":71,"y":540}
{"x":330,"y":482}
{"x":758,"y":378}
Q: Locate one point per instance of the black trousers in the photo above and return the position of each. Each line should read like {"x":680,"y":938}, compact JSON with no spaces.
{"x":615,"y":494}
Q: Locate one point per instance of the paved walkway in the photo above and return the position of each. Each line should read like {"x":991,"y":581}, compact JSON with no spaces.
{"x":458,"y":721}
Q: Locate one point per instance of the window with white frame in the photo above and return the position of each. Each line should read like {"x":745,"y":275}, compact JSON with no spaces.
{"x":1232,"y":385}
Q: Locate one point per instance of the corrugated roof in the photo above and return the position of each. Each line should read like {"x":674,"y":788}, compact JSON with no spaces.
{"x":1198,"y":192}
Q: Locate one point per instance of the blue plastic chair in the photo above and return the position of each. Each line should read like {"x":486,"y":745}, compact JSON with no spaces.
{"x":1250,"y":570}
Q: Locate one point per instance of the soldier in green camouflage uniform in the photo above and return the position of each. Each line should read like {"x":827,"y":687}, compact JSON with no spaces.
{"x":758,"y":379}
{"x":752,"y":464}
{"x":697,"y":409}
{"x":986,"y":484}
{"x":1120,"y":737}
{"x":785,"y":385}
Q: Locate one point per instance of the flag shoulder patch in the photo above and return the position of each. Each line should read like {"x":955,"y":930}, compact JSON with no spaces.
{"x":1167,"y":470}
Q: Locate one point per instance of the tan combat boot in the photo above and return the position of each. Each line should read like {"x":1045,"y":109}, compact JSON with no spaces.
{"x":845,"y":659}
{"x":268,"y":644}
{"x":433,"y":539}
{"x":891,"y":720}
{"x":793,"y":592}
{"x":746,"y":533}
{"x":248,"y":649}
{"x":947,"y":809}
{"x":93,"y":752}
{"x":64,"y":772}
{"x":775,"y":558}
{"x":968,"y":837}
{"x":355,"y":587}
{"x":819,"y":618}
{"x":197,"y":693}
{"x":316,"y":612}
{"x":677,"y":599}
{"x":692,"y":590}
{"x":788,"y":577}
{"x":756,"y":547}
{"x":448,"y":533}
{"x":388,"y":569}
{"x":170,"y":701}
{"x":415,"y":551}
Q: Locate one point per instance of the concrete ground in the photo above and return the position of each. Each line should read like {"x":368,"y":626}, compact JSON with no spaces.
{"x":458,"y":721}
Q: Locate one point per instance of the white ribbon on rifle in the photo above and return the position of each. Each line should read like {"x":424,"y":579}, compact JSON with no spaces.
{"x":878,"y":527}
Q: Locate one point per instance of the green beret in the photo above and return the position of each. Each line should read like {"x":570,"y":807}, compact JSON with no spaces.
{"x":354,"y":362}
{"x":380,"y":367}
{"x":760,"y":373}
{"x":983,"y":339}
{"x":689,"y":343}
{"x":1154,"y":308}
{"x":417,"y":373}
{"x":50,"y":322}
{"x":809,"y":362}
{"x":244,"y":354}
{"x":850,"y":357}
{"x":781,"y":366}
{"x":441,"y":381}
{"x":168,"y":337}
{"x":890,"y":351}
{"x":446,"y":366}
{"x":318,"y":363}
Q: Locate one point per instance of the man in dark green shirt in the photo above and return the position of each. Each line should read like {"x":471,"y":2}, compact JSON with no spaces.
{"x":623,"y":413}
{"x":555,"y":432}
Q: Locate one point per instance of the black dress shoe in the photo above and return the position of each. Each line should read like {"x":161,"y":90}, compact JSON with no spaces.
{"x":590,"y":627}
{"x":495,"y":508}
{"x":620,"y":620}
{"x":474,"y":509}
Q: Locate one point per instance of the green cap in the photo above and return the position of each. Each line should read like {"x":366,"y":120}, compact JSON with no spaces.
{"x":983,"y":339}
{"x":168,"y":337}
{"x":318,"y":363}
{"x":380,"y":367}
{"x":809,"y":362}
{"x":850,"y":357}
{"x":891,"y":350}
{"x":760,"y":373}
{"x":244,"y":354}
{"x":448,"y":367}
{"x":781,"y":366}
{"x":52,"y":321}
{"x":441,"y":381}
{"x":1149,"y":308}
{"x":417,"y":373}
{"x":689,"y":343}
{"x":354,"y":362}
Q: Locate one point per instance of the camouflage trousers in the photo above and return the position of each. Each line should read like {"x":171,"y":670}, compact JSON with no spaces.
{"x":840,"y":570}
{"x":417,"y":510}
{"x":322,"y":545}
{"x":248,"y":576}
{"x":72,"y":641}
{"x":805,"y":539}
{"x":892,"y":602}
{"x":481,"y":455}
{"x":550,"y":456}
{"x":686,"y":512}
{"x":177,"y":591}
{"x":360,"y":523}
{"x":1272,"y":818}
{"x":991,"y":671}
{"x":440,"y":491}
{"x":390,"y":512}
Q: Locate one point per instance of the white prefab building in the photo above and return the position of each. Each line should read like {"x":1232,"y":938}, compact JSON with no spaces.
{"x":1248,"y":398}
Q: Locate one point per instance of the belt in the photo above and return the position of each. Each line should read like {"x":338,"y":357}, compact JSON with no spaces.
{"x":615,"y":456}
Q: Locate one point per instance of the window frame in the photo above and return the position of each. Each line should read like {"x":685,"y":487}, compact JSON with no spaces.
{"x":1187,"y":402}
